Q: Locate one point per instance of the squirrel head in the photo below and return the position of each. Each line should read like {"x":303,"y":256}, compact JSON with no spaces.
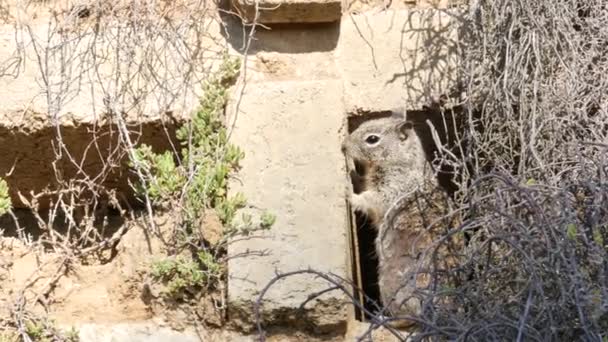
{"x":383,"y":142}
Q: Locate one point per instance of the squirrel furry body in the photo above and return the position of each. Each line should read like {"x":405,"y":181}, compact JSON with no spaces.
{"x":393,"y":166}
{"x":395,"y":169}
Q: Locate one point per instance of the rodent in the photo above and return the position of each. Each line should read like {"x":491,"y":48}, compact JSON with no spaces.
{"x":393,"y":161}
{"x":395,"y":175}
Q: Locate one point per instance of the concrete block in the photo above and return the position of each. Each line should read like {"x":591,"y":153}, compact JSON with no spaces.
{"x":289,"y":11}
{"x":44,"y":107}
{"x":360,"y":6}
{"x":291,"y":134}
{"x":396,"y":58}
{"x":133,"y":332}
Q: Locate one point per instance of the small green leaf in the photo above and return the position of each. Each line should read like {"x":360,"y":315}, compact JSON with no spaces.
{"x":5,"y":199}
{"x":268,"y":219}
{"x":597,"y":236}
{"x":571,"y":231}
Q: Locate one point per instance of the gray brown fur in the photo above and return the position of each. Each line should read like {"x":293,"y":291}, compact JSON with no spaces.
{"x":396,"y":169}
{"x":395,"y":165}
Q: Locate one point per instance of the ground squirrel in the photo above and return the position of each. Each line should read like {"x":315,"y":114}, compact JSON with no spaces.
{"x":390,"y":160}
{"x":395,"y":178}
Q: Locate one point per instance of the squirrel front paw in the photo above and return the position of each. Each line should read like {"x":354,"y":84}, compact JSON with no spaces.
{"x":357,"y":202}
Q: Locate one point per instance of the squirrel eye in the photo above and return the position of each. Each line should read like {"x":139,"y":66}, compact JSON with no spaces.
{"x":372,"y":139}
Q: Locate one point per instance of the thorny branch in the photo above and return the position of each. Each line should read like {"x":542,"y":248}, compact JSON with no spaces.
{"x":134,"y":62}
{"x":523,"y":142}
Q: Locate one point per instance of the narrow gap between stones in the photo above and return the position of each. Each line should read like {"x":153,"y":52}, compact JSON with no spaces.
{"x":363,"y":233}
{"x":368,"y":263}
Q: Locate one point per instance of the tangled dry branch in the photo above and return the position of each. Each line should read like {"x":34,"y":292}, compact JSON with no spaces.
{"x":526,"y":151}
{"x":139,"y":68}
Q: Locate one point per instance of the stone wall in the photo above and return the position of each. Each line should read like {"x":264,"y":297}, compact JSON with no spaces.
{"x":325,"y":62}
{"x":304,"y":84}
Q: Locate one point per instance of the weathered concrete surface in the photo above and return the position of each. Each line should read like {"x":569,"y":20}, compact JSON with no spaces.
{"x":289,"y":11}
{"x":396,"y":58}
{"x":133,"y":332}
{"x":291,"y":134}
{"x":273,"y":66}
{"x":36,"y":80}
{"x":291,"y":53}
{"x":303,"y":81}
{"x":30,"y":155}
{"x":357,"y":329}
{"x":293,"y":167}
{"x":54,"y":121}
{"x":359,"y":6}
{"x":150,"y":331}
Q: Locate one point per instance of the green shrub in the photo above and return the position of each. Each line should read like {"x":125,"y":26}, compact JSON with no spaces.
{"x":196,"y":184}
{"x":207,"y":158}
{"x":167,"y":181}
{"x":5,"y":200}
{"x":183,"y":274}
{"x":35,"y":330}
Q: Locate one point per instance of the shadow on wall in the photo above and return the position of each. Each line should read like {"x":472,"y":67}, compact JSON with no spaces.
{"x":105,"y":223}
{"x":449,"y":124}
{"x":284,"y":38}
{"x":397,"y":57}
{"x":430,"y":58}
{"x":32,"y":162}
{"x":404,"y":58}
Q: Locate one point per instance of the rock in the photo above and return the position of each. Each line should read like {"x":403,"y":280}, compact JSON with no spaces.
{"x":133,"y":332}
{"x":290,"y":11}
{"x":211,"y":228}
{"x":291,"y":133}
{"x":397,"y":58}
{"x":44,"y":144}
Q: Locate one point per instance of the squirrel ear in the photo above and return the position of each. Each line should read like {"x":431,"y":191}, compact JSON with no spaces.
{"x":404,"y":128}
